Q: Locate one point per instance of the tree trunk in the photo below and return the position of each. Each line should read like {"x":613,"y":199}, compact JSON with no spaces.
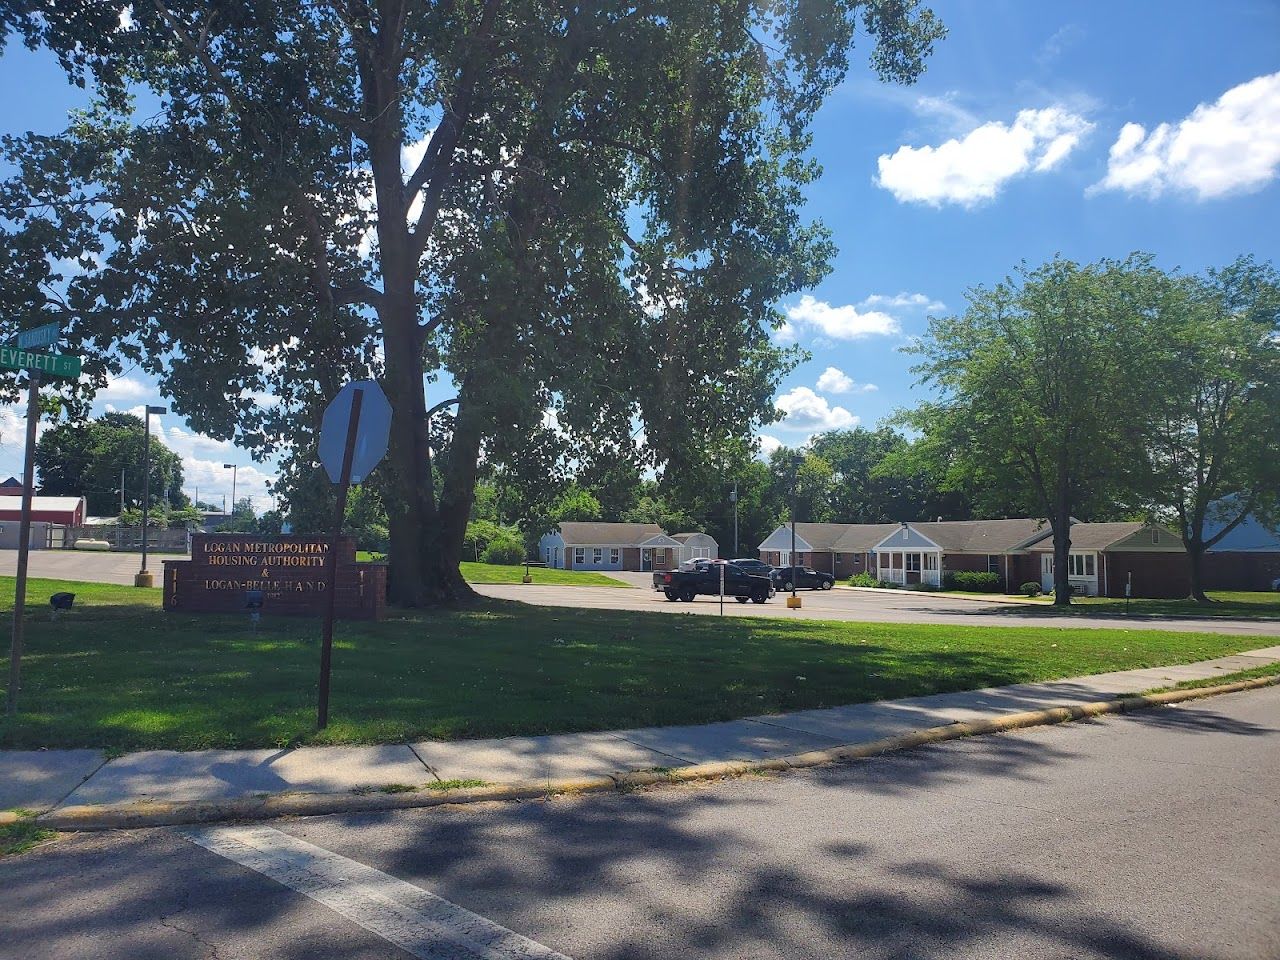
{"x":1061,"y":550}
{"x":1195,"y":566}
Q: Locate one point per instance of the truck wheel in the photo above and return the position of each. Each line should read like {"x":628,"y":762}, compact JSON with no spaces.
{"x":742,"y":599}
{"x":688,"y":596}
{"x":670,"y":595}
{"x":760,"y":597}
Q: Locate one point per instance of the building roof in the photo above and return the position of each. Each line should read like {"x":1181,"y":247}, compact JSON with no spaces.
{"x":981,"y":536}
{"x":70,"y":504}
{"x":689,"y":535}
{"x":596,"y":531}
{"x":1251,"y":536}
{"x":12,"y":482}
{"x":840,"y":537}
{"x":1103,"y":536}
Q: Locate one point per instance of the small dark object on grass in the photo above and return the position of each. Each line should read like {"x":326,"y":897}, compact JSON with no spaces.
{"x":60,"y":602}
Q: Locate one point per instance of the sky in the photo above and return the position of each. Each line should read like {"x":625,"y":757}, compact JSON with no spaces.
{"x":1085,"y":129}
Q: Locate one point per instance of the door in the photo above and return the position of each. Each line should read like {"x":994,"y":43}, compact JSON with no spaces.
{"x":1046,"y":572}
{"x":646,"y":558}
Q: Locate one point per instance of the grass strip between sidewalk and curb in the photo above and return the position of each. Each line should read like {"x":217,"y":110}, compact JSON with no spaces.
{"x":144,"y":814}
{"x":19,"y":832}
{"x":1253,"y":673}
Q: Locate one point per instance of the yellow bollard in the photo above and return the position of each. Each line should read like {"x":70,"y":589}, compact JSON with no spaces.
{"x":793,"y":603}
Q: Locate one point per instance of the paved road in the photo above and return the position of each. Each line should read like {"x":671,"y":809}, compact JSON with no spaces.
{"x":867,"y":606}
{"x":1141,"y":837}
{"x":85,"y":565}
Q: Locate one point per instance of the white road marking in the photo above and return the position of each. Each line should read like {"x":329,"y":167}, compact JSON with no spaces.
{"x":427,"y":926}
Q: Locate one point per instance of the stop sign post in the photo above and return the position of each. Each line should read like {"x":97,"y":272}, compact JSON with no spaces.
{"x":353,"y":440}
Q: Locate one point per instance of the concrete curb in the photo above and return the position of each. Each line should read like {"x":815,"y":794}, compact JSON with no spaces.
{"x":141,"y":814}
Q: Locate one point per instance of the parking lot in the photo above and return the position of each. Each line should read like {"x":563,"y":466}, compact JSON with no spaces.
{"x":862,"y":606}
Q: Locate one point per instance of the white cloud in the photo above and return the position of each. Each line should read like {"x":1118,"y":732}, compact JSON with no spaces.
{"x":768,"y":444}
{"x":903,"y":301}
{"x":972,"y":169}
{"x":125,"y":389}
{"x":839,"y":323}
{"x":805,"y":410}
{"x":834,"y":381}
{"x":1229,"y":146}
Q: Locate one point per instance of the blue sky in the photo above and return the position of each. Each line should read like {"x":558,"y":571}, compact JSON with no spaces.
{"x":1088,"y":129}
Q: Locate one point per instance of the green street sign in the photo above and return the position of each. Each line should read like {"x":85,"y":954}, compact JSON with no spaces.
{"x":54,"y":364}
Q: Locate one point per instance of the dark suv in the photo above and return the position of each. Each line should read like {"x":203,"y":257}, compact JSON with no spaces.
{"x":804,"y":578}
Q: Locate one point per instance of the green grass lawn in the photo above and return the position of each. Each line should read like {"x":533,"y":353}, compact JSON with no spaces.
{"x":118,"y":673}
{"x":503,"y":573}
{"x":1227,"y":603}
{"x":498,"y":573}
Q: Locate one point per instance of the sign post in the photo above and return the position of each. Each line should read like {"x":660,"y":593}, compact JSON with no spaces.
{"x":24,"y":544}
{"x":361,"y":436}
{"x":20,"y":358}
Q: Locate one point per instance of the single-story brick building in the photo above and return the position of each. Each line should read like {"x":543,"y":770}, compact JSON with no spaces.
{"x":909,"y":553}
{"x":1107,"y":556}
{"x":1247,"y":558}
{"x":1019,"y":550}
{"x":598,"y":545}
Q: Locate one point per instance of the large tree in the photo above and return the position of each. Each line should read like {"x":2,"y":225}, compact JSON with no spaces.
{"x":1215,"y":424}
{"x":1044,"y":384}
{"x":592,"y":207}
{"x":91,"y":458}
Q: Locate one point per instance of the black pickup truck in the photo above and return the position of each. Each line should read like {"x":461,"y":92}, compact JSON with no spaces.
{"x":704,"y":579}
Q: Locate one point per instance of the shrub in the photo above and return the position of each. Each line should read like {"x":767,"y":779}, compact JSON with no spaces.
{"x":863,"y":580}
{"x":1030,"y":588}
{"x":505,"y":550}
{"x":979,"y":581}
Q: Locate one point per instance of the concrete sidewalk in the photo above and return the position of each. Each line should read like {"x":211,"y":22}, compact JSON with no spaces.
{"x":44,"y":780}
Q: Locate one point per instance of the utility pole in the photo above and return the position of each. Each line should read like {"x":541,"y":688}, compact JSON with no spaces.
{"x":733,"y":498}
{"x":122,"y":489}
{"x":143,"y":577}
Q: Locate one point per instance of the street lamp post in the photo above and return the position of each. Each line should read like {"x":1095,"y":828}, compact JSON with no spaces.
{"x":234,"y":469}
{"x":144,"y":578}
{"x":793,"y":601}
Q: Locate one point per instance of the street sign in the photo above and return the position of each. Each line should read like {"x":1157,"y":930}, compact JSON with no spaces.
{"x":372,"y":431}
{"x":54,"y":364}
{"x":39,"y":337}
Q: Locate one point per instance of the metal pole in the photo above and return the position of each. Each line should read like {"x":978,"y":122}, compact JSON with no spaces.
{"x":122,"y":489}
{"x":24,"y":543}
{"x":331,"y":571}
{"x":722,"y":589}
{"x":735,"y":518}
{"x":146,"y":487}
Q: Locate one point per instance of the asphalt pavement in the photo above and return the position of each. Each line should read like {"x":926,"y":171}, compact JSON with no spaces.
{"x":1137,"y":837}
{"x":867,"y":606}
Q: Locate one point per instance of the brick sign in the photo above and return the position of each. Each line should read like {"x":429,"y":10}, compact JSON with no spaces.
{"x":289,"y":570}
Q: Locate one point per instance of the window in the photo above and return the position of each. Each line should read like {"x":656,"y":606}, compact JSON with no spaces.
{"x":615,"y":555}
{"x":1080,"y":565}
{"x":993,"y":563}
{"x":784,"y":558}
{"x":597,"y":554}
{"x":1155,"y":535}
{"x":579,"y":556}
{"x":913,"y":563}
{"x":931,"y":561}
